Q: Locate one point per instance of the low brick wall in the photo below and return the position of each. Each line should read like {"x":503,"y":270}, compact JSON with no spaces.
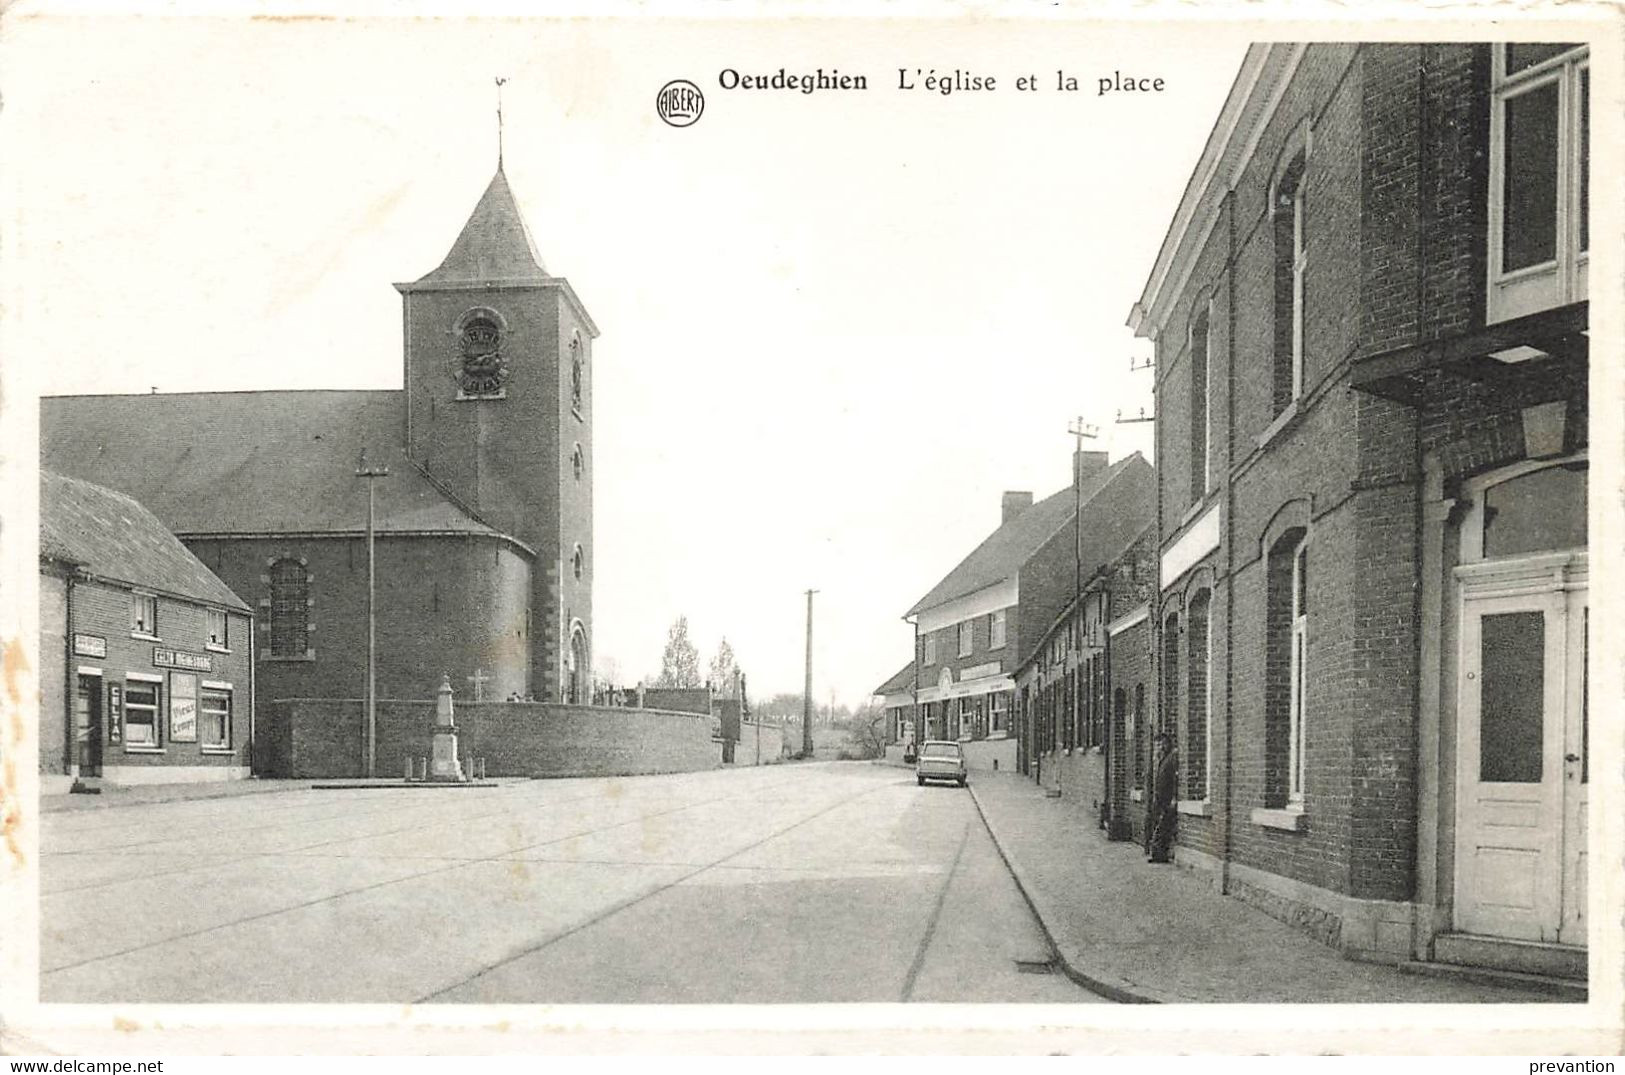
{"x":322,"y":738}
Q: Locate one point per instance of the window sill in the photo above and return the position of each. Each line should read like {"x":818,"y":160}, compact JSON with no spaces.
{"x":1196,"y":807}
{"x":212,"y":648}
{"x":272,"y":658}
{"x":139,"y":637}
{"x":144,"y":750}
{"x":1191,"y":512}
{"x":226,"y":751}
{"x":1287,"y":819}
{"x":1283,"y":421}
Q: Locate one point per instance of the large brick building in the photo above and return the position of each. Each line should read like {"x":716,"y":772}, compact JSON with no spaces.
{"x":982,"y":620}
{"x":484,"y":525}
{"x":1369,"y":314}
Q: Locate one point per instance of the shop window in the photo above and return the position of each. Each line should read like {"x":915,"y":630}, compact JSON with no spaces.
{"x":1540,"y":135}
{"x":999,"y":720}
{"x":1169,"y":705}
{"x":182,"y":707}
{"x":965,"y":638}
{"x":216,"y":721}
{"x":141,"y":715}
{"x":1197,"y":697}
{"x":290,"y":609}
{"x":1291,"y":261}
{"x":995,"y":630}
{"x":218,"y":629}
{"x":144,"y":615}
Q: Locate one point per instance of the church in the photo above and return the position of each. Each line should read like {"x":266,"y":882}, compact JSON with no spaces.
{"x":483,"y":524}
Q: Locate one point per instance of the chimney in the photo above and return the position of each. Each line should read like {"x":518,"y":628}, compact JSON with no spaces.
{"x":1086,"y":466}
{"x":1014,"y":504}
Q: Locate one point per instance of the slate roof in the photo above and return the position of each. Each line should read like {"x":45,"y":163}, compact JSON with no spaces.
{"x":902,"y":681}
{"x":494,"y":244}
{"x":250,"y":462}
{"x":112,"y":536}
{"x":1002,"y":553}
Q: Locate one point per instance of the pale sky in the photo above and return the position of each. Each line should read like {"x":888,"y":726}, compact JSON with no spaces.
{"x":835,"y":326}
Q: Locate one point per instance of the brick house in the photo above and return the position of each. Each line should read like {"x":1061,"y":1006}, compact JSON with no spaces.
{"x":897,"y":699}
{"x":982,"y":620}
{"x":484,"y":545}
{"x":146,"y":668}
{"x":1082,"y":693}
{"x":1369,"y":315}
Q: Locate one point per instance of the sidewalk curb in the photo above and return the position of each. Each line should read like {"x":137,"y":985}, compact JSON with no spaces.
{"x":1111,"y":988}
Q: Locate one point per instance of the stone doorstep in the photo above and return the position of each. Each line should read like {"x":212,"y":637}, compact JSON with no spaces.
{"x":1519,"y":957}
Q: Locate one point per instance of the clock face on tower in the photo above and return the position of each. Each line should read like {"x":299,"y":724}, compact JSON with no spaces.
{"x":478,"y":365}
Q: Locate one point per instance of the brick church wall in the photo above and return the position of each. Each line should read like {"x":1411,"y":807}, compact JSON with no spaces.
{"x":323,"y":738}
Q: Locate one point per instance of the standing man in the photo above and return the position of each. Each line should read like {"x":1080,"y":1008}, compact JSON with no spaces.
{"x":1165,"y":790}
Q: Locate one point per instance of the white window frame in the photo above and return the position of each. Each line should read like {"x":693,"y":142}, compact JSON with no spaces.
{"x":1300,"y":262}
{"x":138,"y":628}
{"x":1298,"y":714}
{"x":996,"y":629}
{"x":1563,"y":279}
{"x":205,"y":697}
{"x":928,"y":646}
{"x":998,"y":715}
{"x":155,"y":685}
{"x":967,"y":637}
{"x":224,"y":635}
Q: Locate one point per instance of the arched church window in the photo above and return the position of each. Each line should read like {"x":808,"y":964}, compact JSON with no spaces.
{"x":290,"y":609}
{"x":576,"y":373}
{"x":578,"y":460}
{"x":578,"y":561}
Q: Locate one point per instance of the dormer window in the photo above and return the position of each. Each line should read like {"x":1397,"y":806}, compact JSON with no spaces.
{"x":1539,"y":190}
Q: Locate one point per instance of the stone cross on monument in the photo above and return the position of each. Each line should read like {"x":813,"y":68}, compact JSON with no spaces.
{"x":479,"y":679}
{"x":443,"y":763}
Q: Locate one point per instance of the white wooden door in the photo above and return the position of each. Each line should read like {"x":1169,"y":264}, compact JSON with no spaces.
{"x":1576,"y":773}
{"x":1520,"y":844}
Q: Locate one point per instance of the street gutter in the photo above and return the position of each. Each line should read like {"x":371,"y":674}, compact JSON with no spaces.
{"x":1108,"y":986}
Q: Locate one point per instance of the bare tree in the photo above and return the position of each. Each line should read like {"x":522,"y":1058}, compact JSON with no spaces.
{"x":680,"y":664}
{"x":723,"y":667}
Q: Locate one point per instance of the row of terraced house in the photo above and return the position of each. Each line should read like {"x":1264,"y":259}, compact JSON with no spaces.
{"x":1354,"y":587}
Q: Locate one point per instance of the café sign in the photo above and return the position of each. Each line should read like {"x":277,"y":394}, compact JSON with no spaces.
{"x":90,"y":645}
{"x":174,"y":658}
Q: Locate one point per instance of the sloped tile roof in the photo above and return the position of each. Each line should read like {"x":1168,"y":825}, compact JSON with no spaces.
{"x":250,"y":462}
{"x":494,"y":244}
{"x":111,"y":535}
{"x":1002,"y":553}
{"x":902,"y":681}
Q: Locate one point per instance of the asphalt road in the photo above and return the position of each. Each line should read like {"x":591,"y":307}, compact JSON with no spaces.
{"x":802,"y":883}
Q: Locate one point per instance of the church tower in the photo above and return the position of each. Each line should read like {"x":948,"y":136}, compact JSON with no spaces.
{"x":498,"y":378}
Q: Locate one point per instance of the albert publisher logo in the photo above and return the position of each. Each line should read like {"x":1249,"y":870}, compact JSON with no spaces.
{"x":680,"y":103}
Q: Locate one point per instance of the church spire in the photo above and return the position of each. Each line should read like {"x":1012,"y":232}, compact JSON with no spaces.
{"x":494,"y":245}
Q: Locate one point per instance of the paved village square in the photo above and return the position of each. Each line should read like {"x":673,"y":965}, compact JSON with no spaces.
{"x":1293,"y":707}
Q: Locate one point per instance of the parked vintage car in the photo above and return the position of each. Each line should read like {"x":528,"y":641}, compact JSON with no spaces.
{"x":941,"y":760}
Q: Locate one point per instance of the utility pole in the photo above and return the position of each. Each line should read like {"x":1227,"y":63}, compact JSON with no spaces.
{"x":371,"y":475}
{"x":1079,"y":431}
{"x":806,"y":694}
